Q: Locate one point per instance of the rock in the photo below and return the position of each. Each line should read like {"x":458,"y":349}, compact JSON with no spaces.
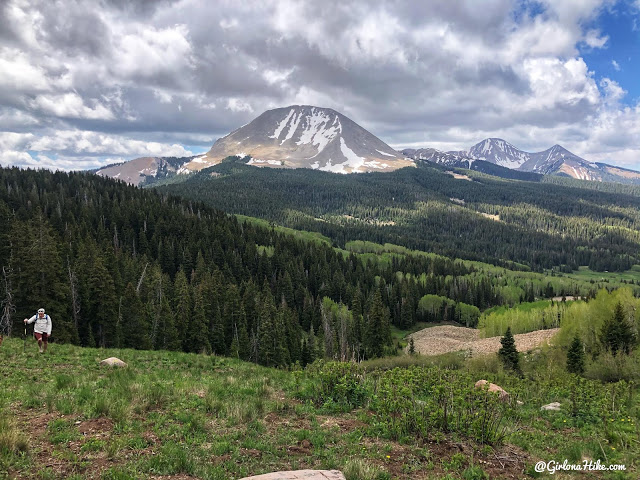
{"x":113,"y":362}
{"x":300,"y":475}
{"x":555,"y":407}
{"x":519,"y":403}
{"x":502,"y":393}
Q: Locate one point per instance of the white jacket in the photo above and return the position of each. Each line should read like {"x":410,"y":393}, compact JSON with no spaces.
{"x":43,"y":325}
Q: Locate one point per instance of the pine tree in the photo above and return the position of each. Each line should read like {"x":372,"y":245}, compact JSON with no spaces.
{"x":103,"y":305}
{"x":197,"y":340}
{"x":412,"y":347}
{"x":305,"y":355}
{"x":41,"y":280}
{"x":377,"y":327}
{"x":216,"y":332}
{"x":508,"y":353}
{"x":616,"y":334}
{"x":135,"y":321}
{"x":182,"y":309}
{"x":575,"y":357}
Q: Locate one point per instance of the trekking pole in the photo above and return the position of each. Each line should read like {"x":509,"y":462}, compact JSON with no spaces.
{"x":24,"y":346}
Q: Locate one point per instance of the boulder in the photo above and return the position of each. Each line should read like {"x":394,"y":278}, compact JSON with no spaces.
{"x":300,"y":475}
{"x":493,"y":388}
{"x":113,"y":362}
{"x":555,"y":407}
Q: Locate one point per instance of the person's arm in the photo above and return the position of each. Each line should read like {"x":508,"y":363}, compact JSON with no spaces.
{"x":48,"y":325}
{"x":31,"y":320}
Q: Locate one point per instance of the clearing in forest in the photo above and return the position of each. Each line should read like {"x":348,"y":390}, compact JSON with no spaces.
{"x":448,"y":338}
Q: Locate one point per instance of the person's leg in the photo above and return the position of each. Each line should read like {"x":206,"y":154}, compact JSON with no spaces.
{"x":45,"y":342}
{"x":38,"y":336}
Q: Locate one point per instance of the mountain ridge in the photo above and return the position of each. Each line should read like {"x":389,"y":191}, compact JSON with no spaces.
{"x":555,"y":160}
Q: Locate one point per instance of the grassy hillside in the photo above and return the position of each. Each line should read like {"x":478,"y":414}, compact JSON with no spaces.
{"x":175,"y":415}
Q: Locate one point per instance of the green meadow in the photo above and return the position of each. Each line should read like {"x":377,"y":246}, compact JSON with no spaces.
{"x":179,"y":415}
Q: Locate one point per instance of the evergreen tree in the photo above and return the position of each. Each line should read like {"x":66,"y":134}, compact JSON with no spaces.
{"x":508,"y":353}
{"x":41,"y":280}
{"x":377,"y":330}
{"x":412,"y":347}
{"x":197,"y":340}
{"x":617,"y":334}
{"x":103,"y":305}
{"x":182,"y":309}
{"x":216,"y":332}
{"x":305,"y":355}
{"x":575,"y":357}
{"x":136,"y":327}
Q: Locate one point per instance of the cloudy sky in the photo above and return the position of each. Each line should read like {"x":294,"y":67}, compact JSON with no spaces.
{"x":86,"y":83}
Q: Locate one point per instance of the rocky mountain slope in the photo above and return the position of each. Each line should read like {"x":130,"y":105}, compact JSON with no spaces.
{"x":303,"y":136}
{"x":556,"y":160}
{"x":145,"y":169}
{"x":299,"y":136}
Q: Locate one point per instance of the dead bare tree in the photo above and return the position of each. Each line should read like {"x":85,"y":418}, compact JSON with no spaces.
{"x":157,"y":310}
{"x":75,"y":299}
{"x":8,"y":307}
{"x":327,"y":330}
{"x":141,"y":278}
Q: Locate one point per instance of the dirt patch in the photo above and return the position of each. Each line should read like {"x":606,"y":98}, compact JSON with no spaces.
{"x":490,"y":217}
{"x":436,"y":459}
{"x":447,"y":338}
{"x":302,"y":448}
{"x":568,"y":298}
{"x":96,"y":427}
{"x":459,"y":176}
{"x":344,"y":424}
{"x":90,"y":464}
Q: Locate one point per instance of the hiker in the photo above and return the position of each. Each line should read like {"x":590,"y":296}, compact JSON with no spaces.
{"x":42,"y":328}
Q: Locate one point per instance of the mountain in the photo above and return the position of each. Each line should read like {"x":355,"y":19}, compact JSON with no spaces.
{"x":556,"y":160}
{"x":302,"y":136}
{"x":299,"y":136}
{"x":495,"y":150}
{"x":463,"y":160}
{"x":145,"y":169}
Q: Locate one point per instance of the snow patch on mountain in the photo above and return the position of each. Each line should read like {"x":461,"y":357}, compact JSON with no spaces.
{"x":281,"y":125}
{"x":386,"y":154}
{"x":353,"y":160}
{"x":319,"y":131}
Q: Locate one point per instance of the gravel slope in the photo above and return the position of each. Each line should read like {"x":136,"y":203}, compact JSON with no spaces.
{"x":447,"y":338}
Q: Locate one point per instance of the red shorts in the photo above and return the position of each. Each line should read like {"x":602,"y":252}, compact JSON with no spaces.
{"x":41,"y":336}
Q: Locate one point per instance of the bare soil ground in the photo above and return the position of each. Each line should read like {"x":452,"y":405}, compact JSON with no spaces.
{"x":448,"y":338}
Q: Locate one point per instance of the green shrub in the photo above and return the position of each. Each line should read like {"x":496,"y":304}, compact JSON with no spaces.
{"x":342,"y":383}
{"x":475,"y":473}
{"x":419,"y":401}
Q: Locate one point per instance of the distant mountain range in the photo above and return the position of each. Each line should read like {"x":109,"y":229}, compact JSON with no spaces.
{"x":303,"y":136}
{"x":556,"y":160}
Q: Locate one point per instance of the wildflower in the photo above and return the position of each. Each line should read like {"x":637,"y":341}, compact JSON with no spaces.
{"x":388,"y":456}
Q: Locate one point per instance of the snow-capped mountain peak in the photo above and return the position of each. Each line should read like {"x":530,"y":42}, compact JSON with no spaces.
{"x":498,"y":151}
{"x":309,"y":137}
